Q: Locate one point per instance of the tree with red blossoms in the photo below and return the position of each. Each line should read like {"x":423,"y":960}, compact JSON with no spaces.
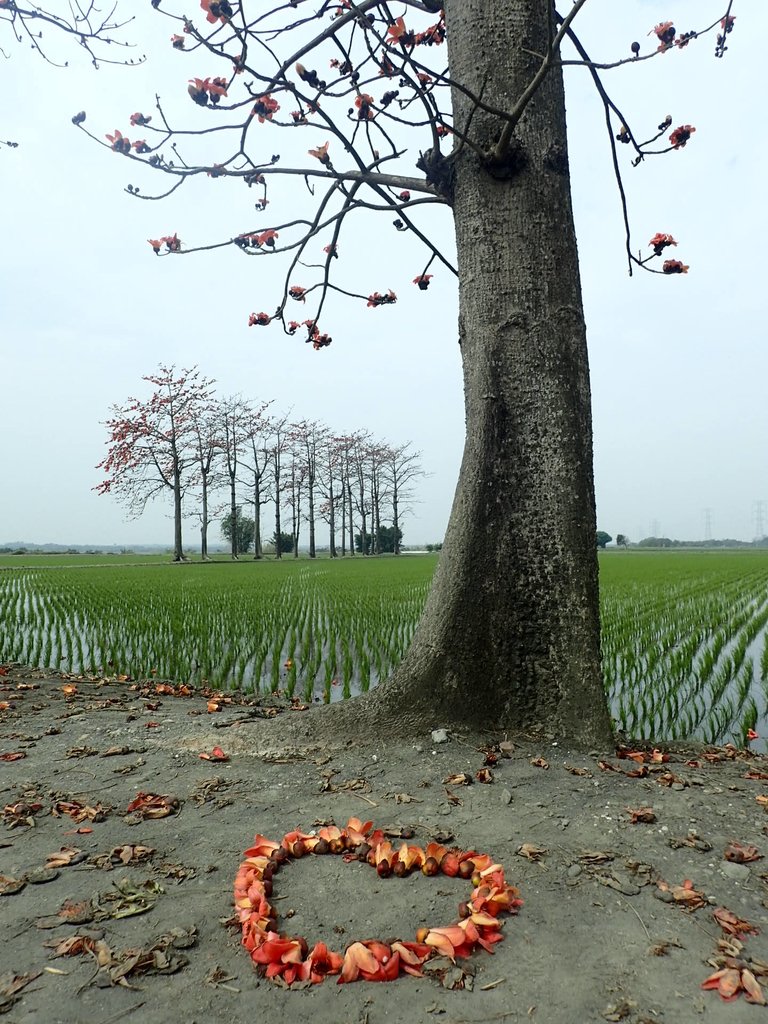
{"x":406,"y":109}
{"x":154,"y":444}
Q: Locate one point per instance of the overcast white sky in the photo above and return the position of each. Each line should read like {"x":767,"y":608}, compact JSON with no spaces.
{"x":679,"y":365}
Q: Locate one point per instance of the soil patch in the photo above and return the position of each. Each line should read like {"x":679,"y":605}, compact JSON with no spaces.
{"x":606,"y":932}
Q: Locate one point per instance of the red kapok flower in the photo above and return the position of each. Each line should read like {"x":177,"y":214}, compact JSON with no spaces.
{"x":665,"y":32}
{"x":177,"y":42}
{"x":258,"y":319}
{"x":140,"y":145}
{"x":156,"y":244}
{"x":198,"y":91}
{"x":730,"y":981}
{"x":203,"y":89}
{"x":405,"y":195}
{"x":398,"y":33}
{"x":321,"y":153}
{"x":660,"y":241}
{"x":265,"y":107}
{"x":139,"y":119}
{"x":331,"y":250}
{"x":297,"y":292}
{"x":674,"y":267}
{"x":681,"y":135}
{"x":377,"y":299}
{"x":267,"y":238}
{"x":119,"y":142}
{"x":216,"y":10}
{"x":364,"y":103}
{"x":423,"y":281}
{"x":727,"y":23}
{"x":293,"y":326}
{"x":172,"y":242}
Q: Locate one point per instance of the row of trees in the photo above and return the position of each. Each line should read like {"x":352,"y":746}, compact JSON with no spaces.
{"x":211,"y":454}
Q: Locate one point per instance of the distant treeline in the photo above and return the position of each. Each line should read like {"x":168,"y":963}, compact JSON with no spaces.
{"x":728,"y":542}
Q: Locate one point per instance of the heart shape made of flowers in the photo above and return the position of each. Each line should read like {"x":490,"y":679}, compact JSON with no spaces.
{"x":289,"y":960}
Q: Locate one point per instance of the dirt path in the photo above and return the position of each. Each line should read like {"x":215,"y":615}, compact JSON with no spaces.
{"x":596,"y":940}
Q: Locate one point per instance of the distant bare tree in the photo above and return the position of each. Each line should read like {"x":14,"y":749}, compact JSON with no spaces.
{"x":402,"y":469}
{"x":152,"y":443}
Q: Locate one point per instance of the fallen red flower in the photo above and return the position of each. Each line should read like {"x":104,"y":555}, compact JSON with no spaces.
{"x":217,"y":754}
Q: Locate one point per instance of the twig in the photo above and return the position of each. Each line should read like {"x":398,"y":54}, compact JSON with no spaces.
{"x":642,"y":922}
{"x":367,"y":799}
{"x":492,"y":984}
{"x":121,"y":1013}
{"x":483,"y":1020}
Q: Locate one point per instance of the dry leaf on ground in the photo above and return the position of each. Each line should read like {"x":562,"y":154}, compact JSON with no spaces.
{"x":10,"y":986}
{"x":685,"y":895}
{"x":732,"y":924}
{"x":64,"y":857}
{"x":21,"y":814}
{"x":741,"y":854}
{"x":10,"y":886}
{"x":152,"y":805}
{"x":79,"y":812}
{"x":531,"y":852}
{"x":641,"y":815}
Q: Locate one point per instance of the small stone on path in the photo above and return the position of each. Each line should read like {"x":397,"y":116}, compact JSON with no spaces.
{"x":738,"y":872}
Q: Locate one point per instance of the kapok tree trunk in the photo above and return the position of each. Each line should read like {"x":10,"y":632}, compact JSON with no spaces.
{"x":509,"y":637}
{"x":350,"y":521}
{"x":204,"y":517}
{"x":311,"y":513}
{"x":234,"y":517}
{"x":396,"y":518}
{"x":178,"y":548}
{"x":256,"y":516}
{"x":510,"y":633}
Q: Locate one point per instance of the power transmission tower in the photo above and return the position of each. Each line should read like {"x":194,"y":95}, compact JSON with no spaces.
{"x":707,"y":524}
{"x":758,"y":512}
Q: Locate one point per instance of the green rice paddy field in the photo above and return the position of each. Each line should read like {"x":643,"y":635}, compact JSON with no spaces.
{"x":685,"y":644}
